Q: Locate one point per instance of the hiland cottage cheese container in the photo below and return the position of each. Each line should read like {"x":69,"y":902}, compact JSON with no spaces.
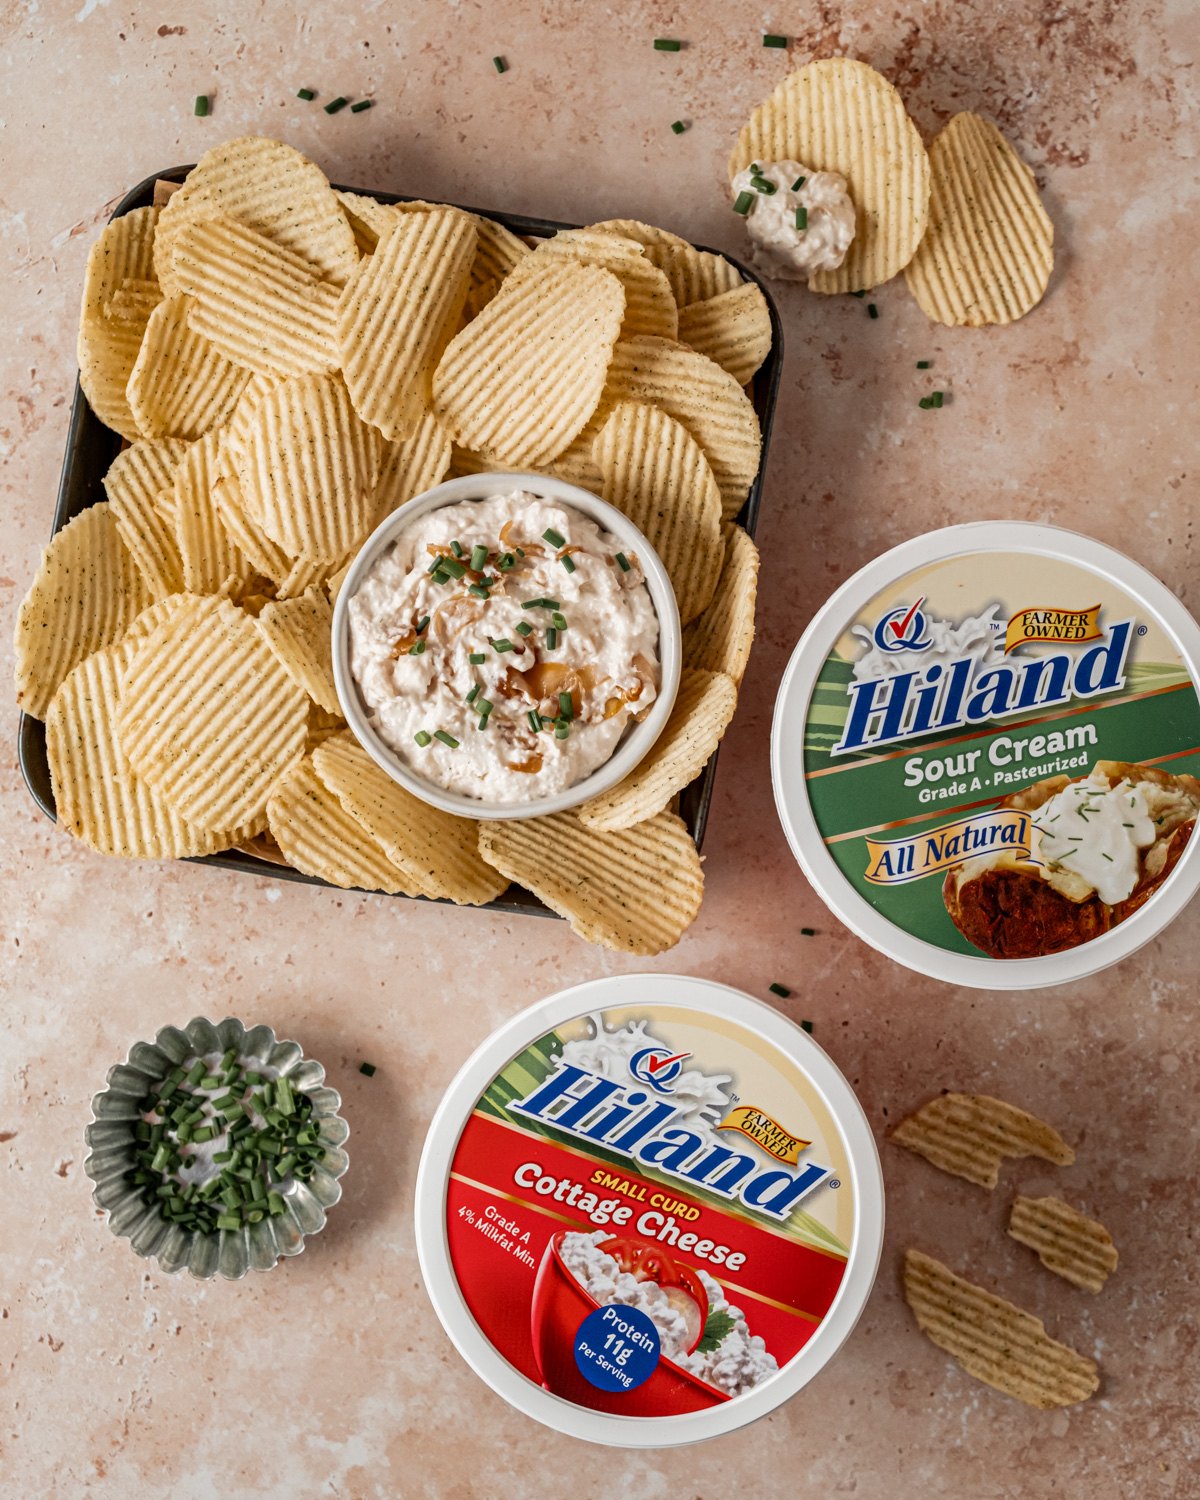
{"x":985,"y":754}
{"x":649,"y":1210}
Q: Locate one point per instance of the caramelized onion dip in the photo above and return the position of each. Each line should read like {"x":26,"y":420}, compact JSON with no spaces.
{"x":502,"y":646}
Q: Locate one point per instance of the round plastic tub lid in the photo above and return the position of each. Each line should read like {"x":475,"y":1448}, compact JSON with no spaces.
{"x":985,"y":751}
{"x":649,"y":1209}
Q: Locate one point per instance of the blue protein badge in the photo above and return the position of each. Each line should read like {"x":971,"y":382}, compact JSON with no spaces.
{"x":616,"y":1348}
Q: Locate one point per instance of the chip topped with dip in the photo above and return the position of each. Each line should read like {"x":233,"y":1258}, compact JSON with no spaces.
{"x":503,"y":646}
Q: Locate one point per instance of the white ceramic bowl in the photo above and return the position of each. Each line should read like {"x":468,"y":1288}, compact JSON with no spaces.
{"x":638,"y":738}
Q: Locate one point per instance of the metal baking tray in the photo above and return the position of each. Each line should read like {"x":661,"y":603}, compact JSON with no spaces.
{"x":91,"y":448}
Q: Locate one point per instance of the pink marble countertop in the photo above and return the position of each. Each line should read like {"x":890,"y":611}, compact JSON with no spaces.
{"x":331,"y":1375}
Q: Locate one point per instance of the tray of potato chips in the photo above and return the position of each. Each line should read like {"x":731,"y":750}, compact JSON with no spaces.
{"x":261,"y":384}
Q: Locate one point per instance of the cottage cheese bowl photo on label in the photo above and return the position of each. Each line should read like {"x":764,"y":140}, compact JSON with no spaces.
{"x":649,"y":1210}
{"x":506,"y":646}
{"x":986,"y":754}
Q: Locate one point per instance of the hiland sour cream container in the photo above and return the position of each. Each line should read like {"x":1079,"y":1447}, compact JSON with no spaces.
{"x":649,"y":1209}
{"x":985,"y":752}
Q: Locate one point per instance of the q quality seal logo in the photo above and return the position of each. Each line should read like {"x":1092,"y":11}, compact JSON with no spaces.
{"x":658,"y":1067}
{"x":902,"y":629}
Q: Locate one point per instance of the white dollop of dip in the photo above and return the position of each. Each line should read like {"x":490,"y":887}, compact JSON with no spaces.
{"x":1095,"y":832}
{"x":606,"y":658}
{"x":738,"y":1363}
{"x":780,"y":249}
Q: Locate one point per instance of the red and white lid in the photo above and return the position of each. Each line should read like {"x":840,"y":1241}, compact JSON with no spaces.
{"x":649,"y":1210}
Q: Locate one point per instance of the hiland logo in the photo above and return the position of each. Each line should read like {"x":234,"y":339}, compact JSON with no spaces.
{"x":944,"y":696}
{"x":597,"y":1109}
{"x":657,"y":1066}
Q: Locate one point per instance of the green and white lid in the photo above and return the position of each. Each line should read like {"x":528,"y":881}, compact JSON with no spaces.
{"x":985,"y":754}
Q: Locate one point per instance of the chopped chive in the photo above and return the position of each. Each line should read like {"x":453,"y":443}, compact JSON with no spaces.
{"x":535,"y":720}
{"x":205,"y":1133}
{"x":924,"y":403}
{"x":936,"y":398}
{"x":452,"y":566}
{"x":335,"y":104}
{"x":434,"y":566}
{"x":305,"y":94}
{"x":566,"y":706}
{"x":802,"y":217}
{"x":552,"y":639}
{"x":275,"y":1204}
{"x":808,"y":932}
{"x":484,"y":706}
{"x":863,"y":293}
{"x":477,"y":658}
{"x":568,"y":562}
{"x":539,"y":603}
{"x":743,"y":203}
{"x":201,"y":106}
{"x":224,"y":1101}
{"x":561,"y":730}
{"x":774,"y":41}
{"x":357,"y":109}
{"x":678,"y":127}
{"x":779,"y":989}
{"x":219,"y":1156}
{"x":505,"y":561}
{"x":559,"y":621}
{"x":229,"y":1221}
{"x":502,"y":645}
{"x":478,"y":591}
{"x":473,"y":694}
{"x":286,"y":1164}
{"x":417,"y":650}
{"x":552,"y":536}
{"x":799,"y":183}
{"x":764,"y":186}
{"x":664,"y":44}
{"x":197,"y":1072}
{"x":524,"y":627}
{"x":622,"y":562}
{"x":422,"y":738}
{"x":872,"y":310}
{"x":806,"y":1026}
{"x":422,"y":627}
{"x":479,"y":557}
{"x":446,"y":739}
{"x":1106,"y":856}
{"x":499,"y":64}
{"x":483,"y":722}
{"x":457,"y":548}
{"x":923,"y":364}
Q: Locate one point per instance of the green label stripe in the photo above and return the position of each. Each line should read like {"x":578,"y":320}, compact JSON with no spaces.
{"x":870,"y":797}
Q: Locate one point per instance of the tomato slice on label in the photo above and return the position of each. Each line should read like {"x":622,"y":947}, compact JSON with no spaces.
{"x":684,"y":1290}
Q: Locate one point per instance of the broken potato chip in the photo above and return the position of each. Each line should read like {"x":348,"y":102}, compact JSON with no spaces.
{"x":993,"y":1340}
{"x":299,"y":631}
{"x":1067,"y":1243}
{"x":969,"y":1135}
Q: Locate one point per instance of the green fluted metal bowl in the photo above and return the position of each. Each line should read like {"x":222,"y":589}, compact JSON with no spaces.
{"x":111,"y":1142}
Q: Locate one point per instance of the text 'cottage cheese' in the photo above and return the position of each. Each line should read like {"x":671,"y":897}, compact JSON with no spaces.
{"x":503,"y":646}
{"x":800,"y":221}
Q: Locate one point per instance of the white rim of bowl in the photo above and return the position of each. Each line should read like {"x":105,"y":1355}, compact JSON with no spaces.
{"x":619,"y":992}
{"x":636,"y":744}
{"x":796,"y":815}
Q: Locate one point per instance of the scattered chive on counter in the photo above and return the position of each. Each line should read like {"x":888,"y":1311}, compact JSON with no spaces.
{"x":678,"y":127}
{"x":924,"y":364}
{"x":808,"y":932}
{"x":306,"y":94}
{"x":863,"y":293}
{"x":335,"y":104}
{"x":269,"y":1134}
{"x":779,"y":989}
{"x":357,"y":109}
{"x":664,"y":44}
{"x":872,"y":310}
{"x":774,"y":41}
{"x":201,"y":105}
{"x":499,"y":64}
{"x":807,"y":1026}
{"x":367,"y":1068}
